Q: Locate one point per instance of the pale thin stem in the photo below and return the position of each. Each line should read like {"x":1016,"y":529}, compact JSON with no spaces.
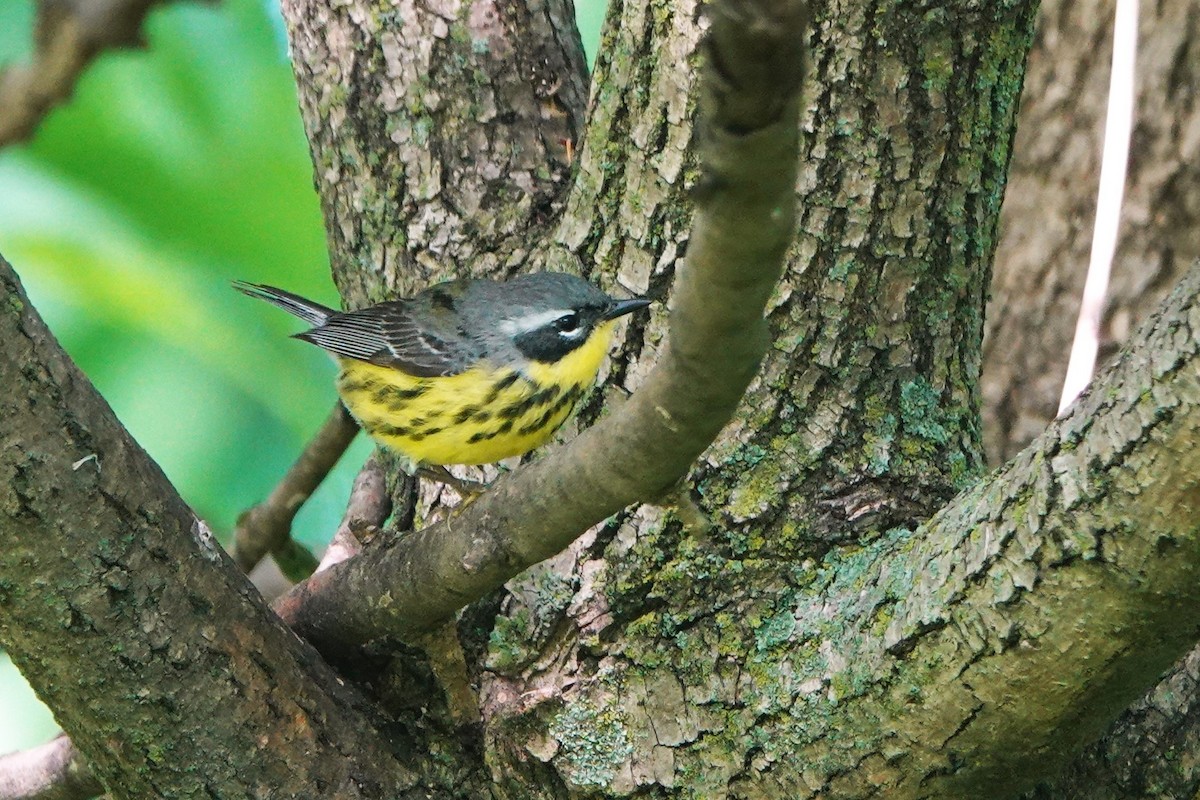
{"x":369,"y":505}
{"x":1118,"y":128}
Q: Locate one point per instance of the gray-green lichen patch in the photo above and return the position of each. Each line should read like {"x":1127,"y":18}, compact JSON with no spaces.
{"x":593,"y":743}
{"x":534,"y":607}
{"x":921,"y":413}
{"x":879,"y":437}
{"x":758,"y":489}
{"x":508,"y":643}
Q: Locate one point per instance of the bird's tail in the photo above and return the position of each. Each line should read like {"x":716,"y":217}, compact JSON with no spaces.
{"x":314,"y":314}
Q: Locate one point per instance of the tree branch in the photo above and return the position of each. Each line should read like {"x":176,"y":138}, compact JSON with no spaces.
{"x":56,"y":771}
{"x":1152,"y":744}
{"x":1152,"y":748}
{"x":70,"y":34}
{"x":157,"y":657}
{"x":742,"y":228}
{"x":267,"y":527}
{"x":52,"y":771}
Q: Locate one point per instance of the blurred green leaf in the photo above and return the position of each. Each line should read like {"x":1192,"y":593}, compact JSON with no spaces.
{"x":16,"y":31}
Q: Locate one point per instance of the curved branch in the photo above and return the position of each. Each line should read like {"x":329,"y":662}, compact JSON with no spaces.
{"x":52,"y":771}
{"x":743,"y":225}
{"x":70,"y":34}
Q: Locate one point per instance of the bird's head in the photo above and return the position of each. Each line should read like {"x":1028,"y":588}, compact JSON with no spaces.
{"x":547,"y":315}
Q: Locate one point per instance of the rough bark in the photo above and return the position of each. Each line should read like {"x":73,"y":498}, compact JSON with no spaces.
{"x":441,"y":132}
{"x":1150,"y":753}
{"x":960,"y":660}
{"x":902,"y":168}
{"x":122,"y":611}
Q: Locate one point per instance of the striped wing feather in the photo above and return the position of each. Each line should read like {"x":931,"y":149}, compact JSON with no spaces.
{"x":389,"y":336}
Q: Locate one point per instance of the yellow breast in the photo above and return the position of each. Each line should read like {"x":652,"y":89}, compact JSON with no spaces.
{"x":479,"y":416}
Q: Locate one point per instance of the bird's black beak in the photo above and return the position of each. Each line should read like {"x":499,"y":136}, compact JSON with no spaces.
{"x":622,"y":307}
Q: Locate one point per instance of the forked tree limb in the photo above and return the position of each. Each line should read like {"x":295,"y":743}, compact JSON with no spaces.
{"x":744,"y":222}
{"x":1081,"y":548}
{"x":994,"y":577}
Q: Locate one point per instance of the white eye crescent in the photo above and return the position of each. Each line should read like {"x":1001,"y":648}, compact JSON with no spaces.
{"x":569,"y":326}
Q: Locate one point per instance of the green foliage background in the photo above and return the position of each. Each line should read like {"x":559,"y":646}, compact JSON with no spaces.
{"x":172,"y":171}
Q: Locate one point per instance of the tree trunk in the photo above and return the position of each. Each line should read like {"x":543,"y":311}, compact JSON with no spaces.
{"x":833,"y":603}
{"x":650,"y":657}
{"x":440,"y":134}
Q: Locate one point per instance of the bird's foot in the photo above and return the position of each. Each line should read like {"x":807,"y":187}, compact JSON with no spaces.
{"x":468,"y":489}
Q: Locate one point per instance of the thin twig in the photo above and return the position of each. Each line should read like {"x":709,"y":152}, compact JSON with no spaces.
{"x":52,"y":771}
{"x":267,"y":526}
{"x":369,"y":505}
{"x":70,"y":34}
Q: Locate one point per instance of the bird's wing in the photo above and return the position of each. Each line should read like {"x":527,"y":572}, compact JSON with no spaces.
{"x":401,"y":334}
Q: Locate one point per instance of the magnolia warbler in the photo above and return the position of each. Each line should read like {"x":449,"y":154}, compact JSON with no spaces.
{"x":467,"y":371}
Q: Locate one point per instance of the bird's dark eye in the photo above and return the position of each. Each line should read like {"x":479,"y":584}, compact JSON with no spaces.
{"x":568,"y":325}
